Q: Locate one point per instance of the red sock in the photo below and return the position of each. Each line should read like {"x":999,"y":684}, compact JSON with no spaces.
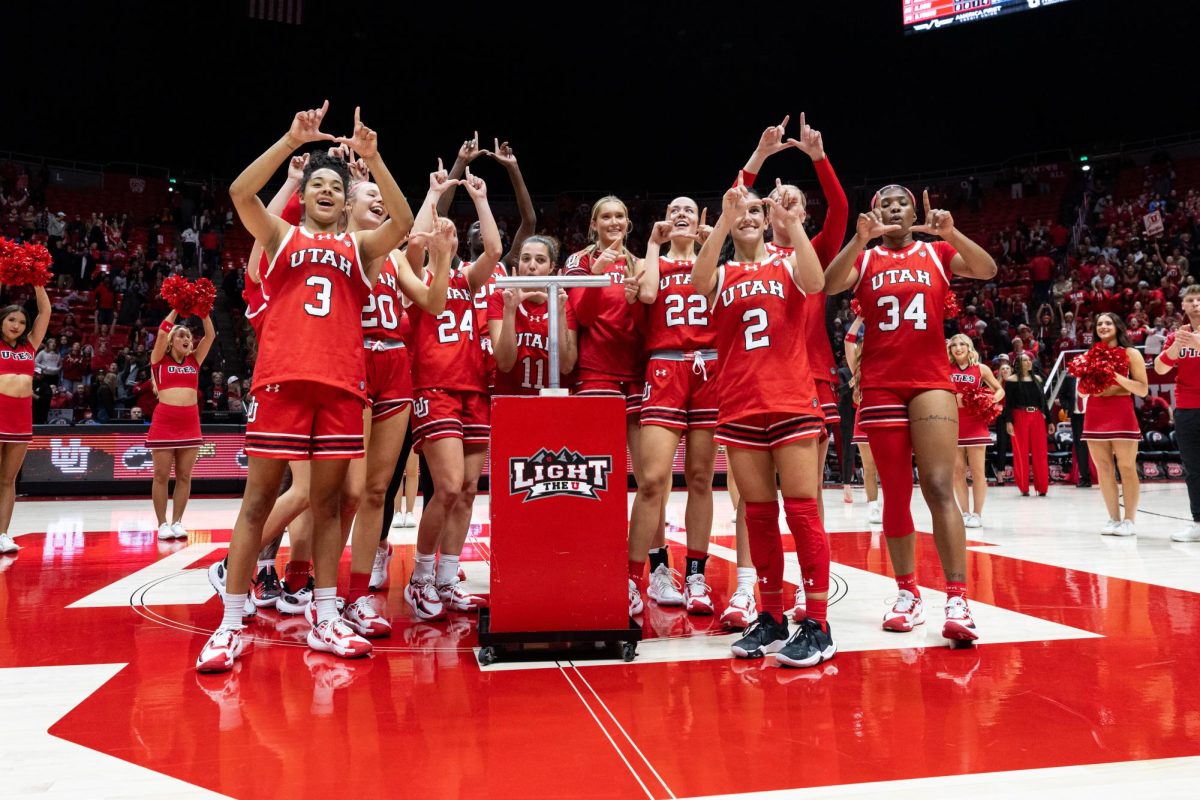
{"x":908,"y":583}
{"x":956,"y":589}
{"x":296,"y":574}
{"x":360,"y":584}
{"x":766,"y":550}
{"x":895,"y":477}
{"x":637,"y":571}
{"x":812,"y":544}
{"x":816,"y":610}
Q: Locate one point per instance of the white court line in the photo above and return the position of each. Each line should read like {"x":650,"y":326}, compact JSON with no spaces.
{"x":190,"y":587}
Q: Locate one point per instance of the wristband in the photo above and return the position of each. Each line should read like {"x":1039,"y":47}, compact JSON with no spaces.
{"x":1166,"y":359}
{"x":165,"y":327}
{"x":851,"y":338}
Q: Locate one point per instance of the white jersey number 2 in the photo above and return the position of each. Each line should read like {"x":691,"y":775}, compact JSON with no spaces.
{"x":756,"y":319}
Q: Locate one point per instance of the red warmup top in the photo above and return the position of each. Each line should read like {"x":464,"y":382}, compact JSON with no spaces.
{"x":316,"y":286}
{"x":16,"y":360}
{"x":450,"y":357}
{"x":385,"y":305}
{"x":1187,"y":375}
{"x":679,"y":318}
{"x":827,"y":244}
{"x":610,"y":347}
{"x":759,"y":312}
{"x":902,"y":294}
{"x":530,"y":372}
{"x":171,"y":374}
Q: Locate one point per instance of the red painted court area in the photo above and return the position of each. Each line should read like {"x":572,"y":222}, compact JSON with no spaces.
{"x":421,"y":718}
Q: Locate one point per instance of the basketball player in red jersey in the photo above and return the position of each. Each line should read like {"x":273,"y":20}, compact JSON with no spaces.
{"x":680,"y":397}
{"x":769,"y":416}
{"x":519,"y":323}
{"x":908,"y":401}
{"x":309,"y":379}
{"x":450,"y":415}
{"x":19,"y":341}
{"x":174,"y":438}
{"x":973,"y":437}
{"x":826,"y":243}
{"x":503,"y":155}
{"x":389,"y":394}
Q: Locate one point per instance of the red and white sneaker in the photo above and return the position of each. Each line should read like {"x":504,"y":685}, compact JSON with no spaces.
{"x":335,"y":636}
{"x":906,"y":613}
{"x":742,"y":611}
{"x":221,"y":650}
{"x":636,"y":606}
{"x":800,"y":609}
{"x":379,"y":568}
{"x":455,"y":598}
{"x":697,"y":597}
{"x":362,"y":616}
{"x":959,"y":625}
{"x":310,"y":610}
{"x":423,"y":599}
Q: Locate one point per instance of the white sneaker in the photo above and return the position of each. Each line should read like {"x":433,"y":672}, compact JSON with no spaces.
{"x":310,"y":610}
{"x":906,"y":613}
{"x":165,"y":532}
{"x":1124,"y":528}
{"x":409,"y":520}
{"x":398,"y":520}
{"x":455,"y":598}
{"x":742,"y":611}
{"x":636,"y":606}
{"x":799,"y":605}
{"x":221,"y":650}
{"x":959,"y":625}
{"x":972,"y":521}
{"x":1191,"y":534}
{"x":7,"y":545}
{"x":178,"y":529}
{"x":216,"y":570}
{"x":874,"y":513}
{"x":362,"y":616}
{"x":335,"y":636}
{"x":697,"y":593}
{"x":379,"y":567}
{"x":664,"y":588}
{"x":1110,"y":527}
{"x":423,"y":599}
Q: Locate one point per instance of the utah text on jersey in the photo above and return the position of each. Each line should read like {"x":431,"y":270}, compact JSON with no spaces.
{"x":751,"y":288}
{"x":324,"y":256}
{"x":891,"y":277}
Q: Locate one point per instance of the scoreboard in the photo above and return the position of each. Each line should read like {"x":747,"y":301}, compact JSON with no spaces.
{"x":930,"y":15}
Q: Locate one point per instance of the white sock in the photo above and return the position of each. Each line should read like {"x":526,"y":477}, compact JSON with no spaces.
{"x":235,"y":605}
{"x":326,"y":604}
{"x":746,"y":577}
{"x":447,"y":569}
{"x":266,"y":562}
{"x":423,"y":567}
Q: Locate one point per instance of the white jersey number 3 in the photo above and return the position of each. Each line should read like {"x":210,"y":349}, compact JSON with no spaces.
{"x":914,"y":313}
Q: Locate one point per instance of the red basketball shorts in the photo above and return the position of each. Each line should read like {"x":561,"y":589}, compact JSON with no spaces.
{"x":632,"y":391}
{"x":389,"y":381}
{"x":445,"y":413}
{"x":827,"y":397}
{"x":680,"y":393}
{"x":303,"y":421}
{"x":769,"y":431}
{"x":887,"y":406}
{"x":173,"y":427}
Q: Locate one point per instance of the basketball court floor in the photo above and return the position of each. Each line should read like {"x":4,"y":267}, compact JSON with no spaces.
{"x":1084,"y":682}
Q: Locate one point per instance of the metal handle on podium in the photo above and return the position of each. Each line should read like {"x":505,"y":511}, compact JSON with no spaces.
{"x":553,"y":284}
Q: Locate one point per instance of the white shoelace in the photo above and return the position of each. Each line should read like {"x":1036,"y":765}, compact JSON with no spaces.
{"x":956,"y":608}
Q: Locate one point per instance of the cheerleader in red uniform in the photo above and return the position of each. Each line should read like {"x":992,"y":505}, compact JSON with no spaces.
{"x":769,"y":415}
{"x":908,"y":401}
{"x":854,"y":345}
{"x":19,"y":341}
{"x":680,"y":397}
{"x":519,"y":326}
{"x":310,"y":376}
{"x":973,"y":437}
{"x":174,"y":438}
{"x":1110,"y":428}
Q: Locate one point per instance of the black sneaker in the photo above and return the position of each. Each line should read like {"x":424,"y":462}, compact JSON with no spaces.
{"x":764,"y":636}
{"x":265,"y":588}
{"x":809,"y":646}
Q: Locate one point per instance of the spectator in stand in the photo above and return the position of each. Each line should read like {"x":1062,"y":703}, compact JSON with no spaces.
{"x":106,"y":302}
{"x":48,"y":361}
{"x":106,"y":399}
{"x":142,"y":394}
{"x":102,"y":357}
{"x":1041,"y":268}
{"x":56,"y":229}
{"x":1003,"y":371}
{"x":1154,"y":415}
{"x":191,"y":241}
{"x":210,"y":244}
{"x":233,"y":394}
{"x":74,"y":366}
{"x":216,"y":398}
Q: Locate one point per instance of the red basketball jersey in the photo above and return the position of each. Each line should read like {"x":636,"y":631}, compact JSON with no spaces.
{"x":171,"y":374}
{"x":316,"y":287}
{"x":610,"y":344}
{"x":385,"y":305}
{"x":446,"y":347}
{"x":531,"y":371}
{"x":680,"y":318}
{"x":903,"y":298}
{"x":759,"y":313}
{"x":820,"y":351}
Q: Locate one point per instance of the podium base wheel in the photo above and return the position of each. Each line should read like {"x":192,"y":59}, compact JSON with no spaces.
{"x":628,"y":651}
{"x":488,"y":656}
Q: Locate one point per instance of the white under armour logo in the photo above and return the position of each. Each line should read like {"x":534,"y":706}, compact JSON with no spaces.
{"x":271,"y":387}
{"x":809,"y":582}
